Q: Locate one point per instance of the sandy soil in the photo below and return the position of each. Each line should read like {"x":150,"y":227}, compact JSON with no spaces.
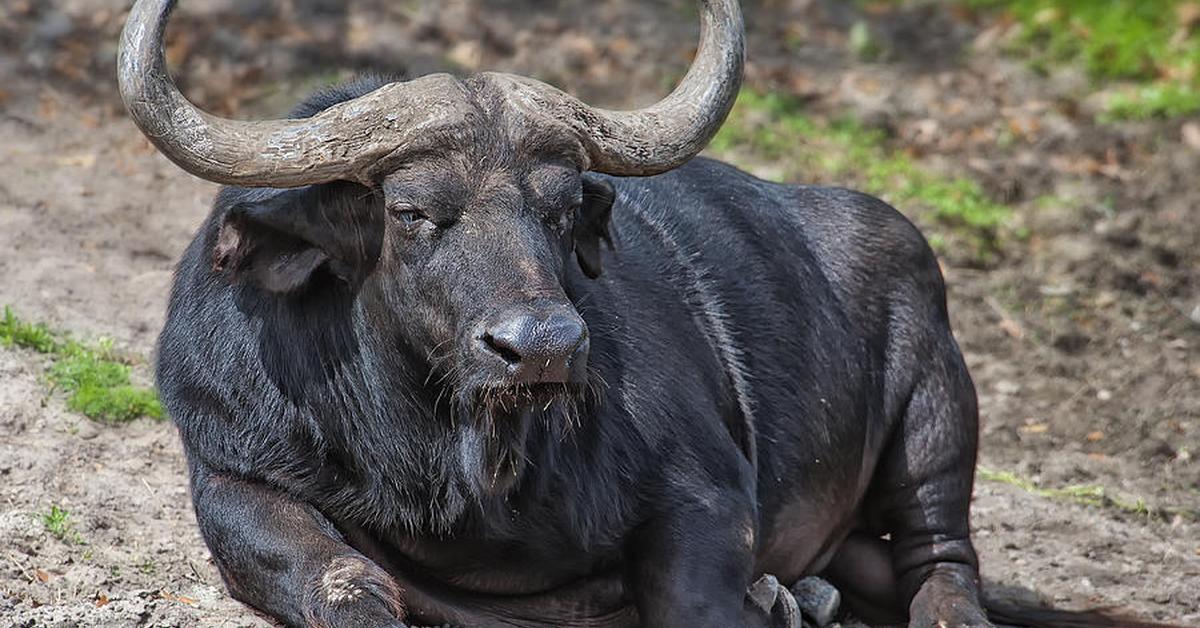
{"x":1083,"y":340}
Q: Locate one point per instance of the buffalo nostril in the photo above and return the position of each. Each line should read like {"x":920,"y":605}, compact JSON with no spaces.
{"x":502,"y":347}
{"x":537,"y":347}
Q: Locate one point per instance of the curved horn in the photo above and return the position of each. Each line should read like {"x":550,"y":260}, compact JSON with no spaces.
{"x":348,"y":141}
{"x":661,"y":137}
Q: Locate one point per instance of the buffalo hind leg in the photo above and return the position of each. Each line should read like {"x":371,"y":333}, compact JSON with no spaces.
{"x":862,"y":572}
{"x":921,"y":496}
{"x":284,"y":558}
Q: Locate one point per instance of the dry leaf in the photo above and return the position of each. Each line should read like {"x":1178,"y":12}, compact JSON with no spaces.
{"x":1010,"y":327}
{"x":80,"y":160}
{"x":623,"y":48}
{"x":47,"y":107}
{"x":101,"y":600}
{"x":1035,"y":428}
{"x":167,"y":595}
{"x":179,"y":48}
{"x":1096,"y":436}
{"x":1150,"y":278}
{"x":41,"y":575}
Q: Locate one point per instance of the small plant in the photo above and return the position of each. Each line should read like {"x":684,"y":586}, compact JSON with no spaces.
{"x":17,"y":333}
{"x":99,"y":385}
{"x":58,"y":523}
{"x":97,"y":382}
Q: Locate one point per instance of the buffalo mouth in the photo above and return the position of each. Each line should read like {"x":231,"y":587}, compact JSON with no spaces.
{"x":488,"y":401}
{"x":538,"y":397}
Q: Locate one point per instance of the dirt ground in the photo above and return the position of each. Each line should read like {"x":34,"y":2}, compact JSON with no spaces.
{"x":1084,"y":338}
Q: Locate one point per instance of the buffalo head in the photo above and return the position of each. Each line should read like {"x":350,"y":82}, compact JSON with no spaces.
{"x":478,"y":193}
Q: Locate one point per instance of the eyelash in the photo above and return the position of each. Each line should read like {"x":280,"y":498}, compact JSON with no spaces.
{"x":407,"y":215}
{"x":410,"y":215}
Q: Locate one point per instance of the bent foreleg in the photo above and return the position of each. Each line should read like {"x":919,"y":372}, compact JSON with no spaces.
{"x":286,"y":559}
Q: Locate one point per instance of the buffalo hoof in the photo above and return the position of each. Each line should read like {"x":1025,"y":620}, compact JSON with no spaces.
{"x":775,"y":603}
{"x":944,"y":602}
{"x":818,"y":600}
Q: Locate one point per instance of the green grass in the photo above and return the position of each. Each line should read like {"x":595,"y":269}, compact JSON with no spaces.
{"x":59,"y":524}
{"x":1152,"y":46}
{"x":18,"y":333}
{"x":1156,"y":100}
{"x":770,"y":133}
{"x":96,"y":381}
{"x":1085,"y":494}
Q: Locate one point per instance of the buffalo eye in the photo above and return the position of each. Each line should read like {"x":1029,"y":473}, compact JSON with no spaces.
{"x":407,"y":215}
{"x":560,"y":219}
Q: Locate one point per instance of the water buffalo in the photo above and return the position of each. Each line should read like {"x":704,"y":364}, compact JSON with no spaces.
{"x":470,"y":351}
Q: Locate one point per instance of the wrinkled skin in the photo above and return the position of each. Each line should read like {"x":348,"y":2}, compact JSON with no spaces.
{"x":766,"y":383}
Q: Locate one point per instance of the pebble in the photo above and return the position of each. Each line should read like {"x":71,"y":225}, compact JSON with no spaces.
{"x":1121,"y":229}
{"x":1006,"y":387}
{"x":86,"y":430}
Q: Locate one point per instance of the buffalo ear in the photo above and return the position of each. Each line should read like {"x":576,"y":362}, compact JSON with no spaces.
{"x":592,"y":224}
{"x":280,"y":240}
{"x":275,"y":262}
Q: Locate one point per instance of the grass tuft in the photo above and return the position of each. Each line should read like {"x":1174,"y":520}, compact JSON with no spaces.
{"x":769,"y":133}
{"x":97,"y":382}
{"x":59,"y":524}
{"x":1085,"y":494}
{"x":1156,"y":100}
{"x":18,"y":333}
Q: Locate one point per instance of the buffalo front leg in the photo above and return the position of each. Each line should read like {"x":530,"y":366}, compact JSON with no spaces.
{"x":282,"y":557}
{"x":691,"y":566}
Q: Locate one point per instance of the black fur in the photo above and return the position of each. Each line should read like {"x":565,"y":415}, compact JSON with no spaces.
{"x":772,"y":373}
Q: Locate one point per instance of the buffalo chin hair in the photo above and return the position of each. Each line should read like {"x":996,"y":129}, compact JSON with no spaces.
{"x":498,"y":422}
